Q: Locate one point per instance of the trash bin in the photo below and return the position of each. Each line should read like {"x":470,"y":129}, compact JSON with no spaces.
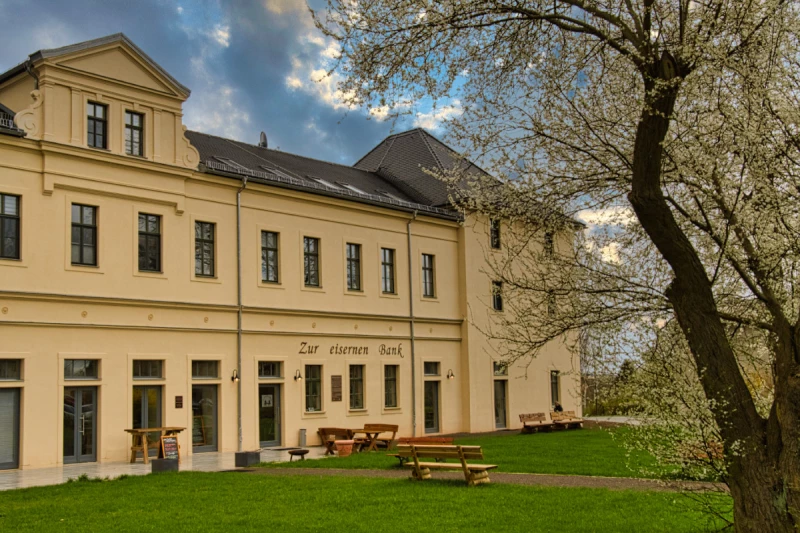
{"x":302,"y":441}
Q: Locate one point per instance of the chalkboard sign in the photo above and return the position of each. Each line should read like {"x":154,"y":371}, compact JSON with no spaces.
{"x":336,"y":388}
{"x":169,"y":447}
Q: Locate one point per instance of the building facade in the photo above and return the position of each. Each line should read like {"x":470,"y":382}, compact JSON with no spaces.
{"x":152,"y":276}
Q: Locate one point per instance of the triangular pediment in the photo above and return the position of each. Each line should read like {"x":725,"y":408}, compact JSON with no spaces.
{"x":120,"y":64}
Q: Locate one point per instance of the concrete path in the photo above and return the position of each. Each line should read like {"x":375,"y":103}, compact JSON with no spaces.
{"x":540,"y":480}
{"x":624,"y":420}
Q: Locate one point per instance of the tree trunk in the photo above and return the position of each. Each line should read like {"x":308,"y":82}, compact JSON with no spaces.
{"x":762,"y":477}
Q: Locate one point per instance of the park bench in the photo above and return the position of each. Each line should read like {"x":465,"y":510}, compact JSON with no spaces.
{"x":418,"y":440}
{"x":329,"y":436}
{"x":475,"y":474}
{"x":373,"y":435}
{"x":535,"y":422}
{"x":566,"y":419}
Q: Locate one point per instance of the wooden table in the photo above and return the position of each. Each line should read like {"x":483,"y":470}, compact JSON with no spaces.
{"x":140,"y":440}
{"x":370,"y":438}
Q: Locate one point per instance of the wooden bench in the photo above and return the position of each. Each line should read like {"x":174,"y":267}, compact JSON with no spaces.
{"x":328,"y":436}
{"x":566,"y":419}
{"x":373,"y":436}
{"x":418,"y":440}
{"x":475,"y":474}
{"x":535,"y":422}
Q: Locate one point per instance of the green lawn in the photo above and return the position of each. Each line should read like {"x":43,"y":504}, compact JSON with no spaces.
{"x":590,"y":452}
{"x":194,"y":501}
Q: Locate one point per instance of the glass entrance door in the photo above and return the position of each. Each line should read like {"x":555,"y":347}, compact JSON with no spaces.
{"x":269,"y":415}
{"x":9,"y":428}
{"x":147,"y":412}
{"x":500,"y":419}
{"x":431,"y":407}
{"x":204,"y":418}
{"x":80,"y":419}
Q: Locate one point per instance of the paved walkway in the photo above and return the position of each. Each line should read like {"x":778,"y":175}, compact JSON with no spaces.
{"x":541,"y":480}
{"x":201,"y":462}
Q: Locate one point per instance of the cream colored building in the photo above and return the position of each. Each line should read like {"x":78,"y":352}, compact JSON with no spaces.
{"x":123,"y":303}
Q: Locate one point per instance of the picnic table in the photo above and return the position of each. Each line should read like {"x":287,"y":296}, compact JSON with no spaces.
{"x":329,"y":436}
{"x":140,"y":440}
{"x":372,"y":437}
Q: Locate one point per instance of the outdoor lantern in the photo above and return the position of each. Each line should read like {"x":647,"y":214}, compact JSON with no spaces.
{"x":297,"y":376}
{"x":235,"y":376}
{"x":450,"y":374}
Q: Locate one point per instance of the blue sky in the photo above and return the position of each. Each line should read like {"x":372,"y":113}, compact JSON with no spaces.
{"x":250,"y":66}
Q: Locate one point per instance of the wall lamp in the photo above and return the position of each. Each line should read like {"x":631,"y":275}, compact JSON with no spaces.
{"x":235,"y":376}
{"x":297,"y":376}
{"x":450,"y":374}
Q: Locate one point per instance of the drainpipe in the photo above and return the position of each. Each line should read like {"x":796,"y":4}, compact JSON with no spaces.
{"x":32,"y":73}
{"x":239,"y":308}
{"x":411,"y":324}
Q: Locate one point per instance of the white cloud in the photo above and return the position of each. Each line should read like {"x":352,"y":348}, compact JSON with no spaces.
{"x":293,"y":82}
{"x":610,"y":253}
{"x":609,"y":216}
{"x":433,"y":120}
{"x":222,"y":35}
{"x":216,"y":111}
{"x":180,"y":10}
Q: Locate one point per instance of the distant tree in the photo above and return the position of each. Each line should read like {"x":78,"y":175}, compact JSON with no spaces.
{"x":686,"y":112}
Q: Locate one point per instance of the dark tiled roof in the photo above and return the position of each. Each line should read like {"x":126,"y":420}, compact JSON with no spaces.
{"x":298,"y":172}
{"x":402,"y":158}
{"x":7,"y":125}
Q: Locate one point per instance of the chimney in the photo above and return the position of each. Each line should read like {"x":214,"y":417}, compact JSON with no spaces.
{"x":262,"y":142}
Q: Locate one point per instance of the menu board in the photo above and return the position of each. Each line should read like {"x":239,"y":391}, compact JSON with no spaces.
{"x":169,"y":447}
{"x":336,"y":388}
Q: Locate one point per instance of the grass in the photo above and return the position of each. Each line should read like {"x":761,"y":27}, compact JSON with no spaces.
{"x":195,"y":501}
{"x":588,"y":452}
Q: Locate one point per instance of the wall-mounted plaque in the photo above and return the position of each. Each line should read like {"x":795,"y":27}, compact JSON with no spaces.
{"x":178,"y":402}
{"x":336,"y":388}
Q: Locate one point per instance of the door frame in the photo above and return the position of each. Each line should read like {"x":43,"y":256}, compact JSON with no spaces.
{"x":505,"y":402}
{"x":17,"y":393}
{"x":78,"y":457}
{"x":278,"y":406}
{"x":438,"y":406}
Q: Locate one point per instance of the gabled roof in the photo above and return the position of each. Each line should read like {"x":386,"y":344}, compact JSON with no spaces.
{"x":96,"y":43}
{"x":303,"y":173}
{"x":403,"y":157}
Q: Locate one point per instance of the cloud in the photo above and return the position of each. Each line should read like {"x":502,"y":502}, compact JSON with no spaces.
{"x":434,"y":119}
{"x":610,"y":253}
{"x":609,"y":216}
{"x":216,"y":111}
{"x":222,"y":35}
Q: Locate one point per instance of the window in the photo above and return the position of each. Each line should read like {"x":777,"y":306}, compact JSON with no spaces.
{"x":149,"y":242}
{"x":204,"y":249}
{"x":134,"y":127}
{"x":431,"y":369}
{"x":390,"y":385}
{"x":311,"y":261}
{"x":494,"y":229}
{"x":549,"y":246}
{"x":555,"y":393}
{"x":325,"y":183}
{"x":269,"y":257}
{"x":81,"y":369}
{"x":428,"y":288}
{"x":205,"y":369}
{"x":551,"y":304}
{"x":500,"y":369}
{"x":96,"y":125}
{"x":497,"y":295}
{"x":351,"y":187}
{"x":10,"y":369}
{"x":353,"y":267}
{"x":269,"y":369}
{"x":387,"y":271}
{"x":148,"y":369}
{"x":9,"y":226}
{"x":84,"y":235}
{"x":356,"y":386}
{"x":313,"y":388}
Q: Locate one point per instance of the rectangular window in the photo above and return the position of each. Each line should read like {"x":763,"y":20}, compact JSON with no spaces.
{"x":148,"y":369}
{"x":500,"y":369}
{"x":269,"y":257}
{"x":269,"y":369}
{"x":353,"y":267}
{"x":10,"y":369}
{"x":494,"y":227}
{"x":387,"y":271}
{"x":134,"y":136}
{"x":204,"y":249}
{"x":356,"y":386}
{"x":81,"y":369}
{"x":313,"y":388}
{"x":205,"y":369}
{"x":431,"y":369}
{"x":549,"y":246}
{"x":96,"y":125}
{"x":555,"y":393}
{"x":311,"y":261}
{"x":428,"y":288}
{"x":149,"y":242}
{"x":84,"y":235}
{"x":497,"y":295}
{"x":390,"y":385}
{"x":9,"y":226}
